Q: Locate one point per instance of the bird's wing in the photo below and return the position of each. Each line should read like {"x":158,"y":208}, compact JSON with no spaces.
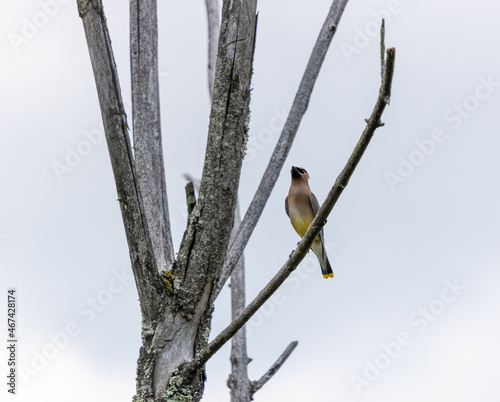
{"x":314,"y":204}
{"x":315,"y":207}
{"x":286,"y":206}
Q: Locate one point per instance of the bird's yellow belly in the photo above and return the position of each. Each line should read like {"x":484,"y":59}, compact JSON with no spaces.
{"x":300,"y":223}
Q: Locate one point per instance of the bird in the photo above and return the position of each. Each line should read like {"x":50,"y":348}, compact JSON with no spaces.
{"x":301,"y":206}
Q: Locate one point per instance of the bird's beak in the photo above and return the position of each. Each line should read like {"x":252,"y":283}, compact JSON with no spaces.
{"x":295,"y":172}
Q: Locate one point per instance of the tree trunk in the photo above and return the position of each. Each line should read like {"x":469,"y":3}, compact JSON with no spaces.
{"x":177,"y":298}
{"x":176,"y":311}
{"x":184,"y":326}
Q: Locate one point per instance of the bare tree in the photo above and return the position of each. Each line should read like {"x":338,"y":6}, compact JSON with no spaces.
{"x":177,"y":295}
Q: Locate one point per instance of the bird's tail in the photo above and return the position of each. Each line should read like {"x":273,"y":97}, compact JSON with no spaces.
{"x":326,"y":269}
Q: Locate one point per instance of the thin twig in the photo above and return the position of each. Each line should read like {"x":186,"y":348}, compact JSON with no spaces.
{"x":285,"y":141}
{"x":319,"y":221}
{"x":256,"y":385}
{"x":382,"y":50}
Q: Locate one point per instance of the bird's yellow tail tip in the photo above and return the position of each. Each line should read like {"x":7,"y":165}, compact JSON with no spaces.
{"x":328,"y":275}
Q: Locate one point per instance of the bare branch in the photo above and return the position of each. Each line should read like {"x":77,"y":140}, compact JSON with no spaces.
{"x":319,"y":221}
{"x":238,"y":381}
{"x":382,"y":50}
{"x":117,"y":136}
{"x":190,"y":197}
{"x":213,"y":38}
{"x":147,"y":129}
{"x":285,"y":141}
{"x":256,"y":385}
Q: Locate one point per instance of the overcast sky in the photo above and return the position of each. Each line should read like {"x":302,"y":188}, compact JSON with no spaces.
{"x":412,"y":313}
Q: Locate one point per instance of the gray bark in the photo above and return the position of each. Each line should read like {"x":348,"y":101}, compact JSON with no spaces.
{"x":238,"y":382}
{"x":213,"y":39}
{"x":175,"y":308}
{"x":122,"y":162}
{"x":147,"y":128}
{"x":206,"y":239}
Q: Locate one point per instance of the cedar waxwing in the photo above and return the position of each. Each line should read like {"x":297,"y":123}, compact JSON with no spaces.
{"x":301,"y":206}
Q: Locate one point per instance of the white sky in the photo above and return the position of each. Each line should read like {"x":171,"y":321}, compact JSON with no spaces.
{"x":395,"y":248}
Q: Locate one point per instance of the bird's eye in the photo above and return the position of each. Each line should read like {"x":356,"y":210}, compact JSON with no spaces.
{"x":298,"y":171}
